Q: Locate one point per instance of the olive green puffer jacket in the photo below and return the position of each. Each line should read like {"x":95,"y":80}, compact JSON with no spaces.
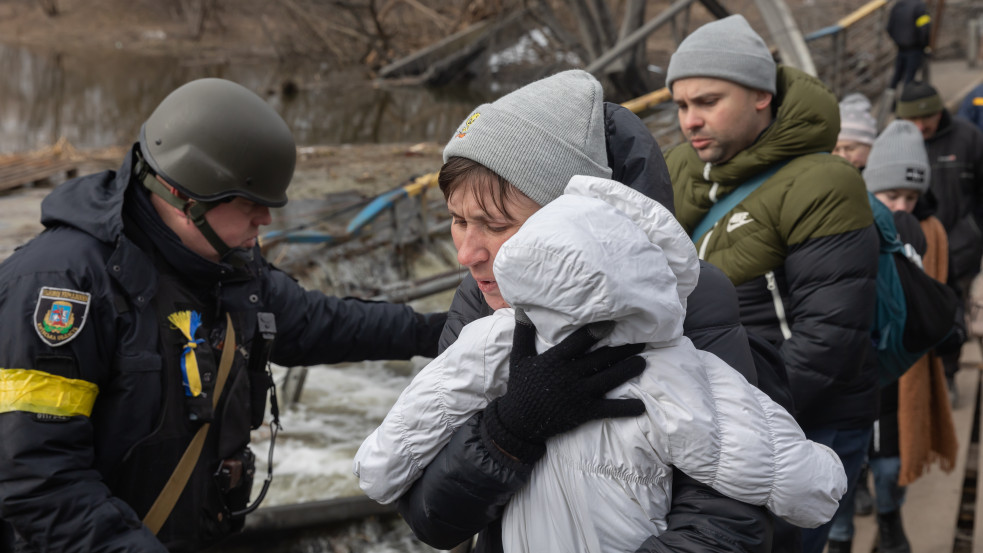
{"x":801,"y":249}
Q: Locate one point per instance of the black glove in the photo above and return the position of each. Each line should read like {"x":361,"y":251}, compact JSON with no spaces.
{"x":431,"y":325}
{"x":559,"y":389}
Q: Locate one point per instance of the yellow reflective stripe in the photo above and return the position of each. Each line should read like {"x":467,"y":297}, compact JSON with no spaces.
{"x":923,"y":20}
{"x":978,"y":101}
{"x":41,"y":392}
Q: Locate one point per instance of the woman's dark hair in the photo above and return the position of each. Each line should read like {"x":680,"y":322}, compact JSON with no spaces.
{"x":461,"y":172}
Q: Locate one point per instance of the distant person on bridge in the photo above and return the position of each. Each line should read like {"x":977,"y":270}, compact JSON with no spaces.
{"x":955,"y":154}
{"x":910,"y":27}
{"x":139,"y":326}
{"x":512,"y":157}
{"x":796,"y":237}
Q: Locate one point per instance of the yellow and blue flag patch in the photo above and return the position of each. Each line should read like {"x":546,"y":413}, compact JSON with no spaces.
{"x":188,"y":322}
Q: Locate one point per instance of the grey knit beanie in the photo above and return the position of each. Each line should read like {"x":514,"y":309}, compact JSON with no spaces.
{"x":539,"y":136}
{"x":898,"y":160}
{"x":856,"y":122}
{"x":726,"y":49}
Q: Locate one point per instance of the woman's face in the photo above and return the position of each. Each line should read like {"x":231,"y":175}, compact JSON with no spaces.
{"x":479,"y":232}
{"x":854,"y":152}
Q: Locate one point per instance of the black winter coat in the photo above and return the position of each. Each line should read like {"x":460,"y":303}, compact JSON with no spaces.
{"x":955,"y":154}
{"x":79,"y":475}
{"x":463,"y":491}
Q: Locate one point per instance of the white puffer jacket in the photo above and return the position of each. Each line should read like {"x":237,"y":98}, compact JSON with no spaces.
{"x":605,"y":252}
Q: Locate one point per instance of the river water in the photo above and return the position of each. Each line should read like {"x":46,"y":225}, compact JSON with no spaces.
{"x":101,"y":102}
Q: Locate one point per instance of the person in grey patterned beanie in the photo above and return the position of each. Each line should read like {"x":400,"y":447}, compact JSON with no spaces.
{"x":539,"y":136}
{"x":727,"y":49}
{"x":858,"y":129}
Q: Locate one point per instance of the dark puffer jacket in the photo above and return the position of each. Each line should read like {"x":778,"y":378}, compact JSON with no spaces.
{"x":801,"y":250}
{"x":73,"y":476}
{"x":464,"y":491}
{"x":955,"y":153}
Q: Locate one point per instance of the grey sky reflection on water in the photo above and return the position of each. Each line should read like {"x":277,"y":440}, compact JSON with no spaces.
{"x":100,"y":100}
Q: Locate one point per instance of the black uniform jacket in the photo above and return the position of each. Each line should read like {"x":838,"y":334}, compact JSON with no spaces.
{"x":88,"y":368}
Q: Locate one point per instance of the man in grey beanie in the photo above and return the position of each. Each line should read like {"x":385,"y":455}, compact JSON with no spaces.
{"x":800,"y":246}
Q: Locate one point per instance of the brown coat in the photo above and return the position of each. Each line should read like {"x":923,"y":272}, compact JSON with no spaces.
{"x":925,"y":430}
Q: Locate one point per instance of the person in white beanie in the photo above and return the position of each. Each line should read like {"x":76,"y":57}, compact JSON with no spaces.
{"x":605,"y":486}
{"x":557,"y":126}
{"x":857,"y":130}
{"x":790,"y":225}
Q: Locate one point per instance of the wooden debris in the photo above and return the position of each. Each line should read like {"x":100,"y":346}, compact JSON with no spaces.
{"x":39,"y":167}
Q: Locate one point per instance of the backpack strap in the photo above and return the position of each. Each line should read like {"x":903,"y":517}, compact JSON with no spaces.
{"x":731,"y":200}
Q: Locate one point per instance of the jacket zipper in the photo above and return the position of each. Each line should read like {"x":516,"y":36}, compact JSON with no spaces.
{"x":713,"y":199}
{"x":776,"y":297}
{"x":706,"y":241}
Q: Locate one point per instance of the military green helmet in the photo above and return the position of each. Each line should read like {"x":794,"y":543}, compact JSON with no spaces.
{"x":213,"y":139}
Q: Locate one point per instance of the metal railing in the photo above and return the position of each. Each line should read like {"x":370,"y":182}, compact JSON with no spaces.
{"x":855,"y":54}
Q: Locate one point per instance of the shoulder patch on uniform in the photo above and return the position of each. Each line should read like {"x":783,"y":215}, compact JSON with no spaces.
{"x":60,"y":314}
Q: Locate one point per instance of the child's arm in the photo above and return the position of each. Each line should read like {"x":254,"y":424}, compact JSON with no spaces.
{"x":445,"y":394}
{"x":743,"y":444}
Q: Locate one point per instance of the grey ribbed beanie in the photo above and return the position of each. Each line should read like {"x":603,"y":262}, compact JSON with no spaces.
{"x":540,"y":135}
{"x":726,"y":49}
{"x":898,"y":160}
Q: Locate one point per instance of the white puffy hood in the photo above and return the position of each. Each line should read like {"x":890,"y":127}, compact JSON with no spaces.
{"x":562,"y":277}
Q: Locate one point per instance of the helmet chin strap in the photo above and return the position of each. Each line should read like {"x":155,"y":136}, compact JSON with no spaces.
{"x":193,"y":210}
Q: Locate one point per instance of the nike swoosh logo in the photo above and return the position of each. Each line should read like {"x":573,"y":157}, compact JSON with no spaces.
{"x":738,"y":220}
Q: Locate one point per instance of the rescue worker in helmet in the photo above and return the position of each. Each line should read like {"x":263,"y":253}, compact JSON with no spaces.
{"x":136,"y":329}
